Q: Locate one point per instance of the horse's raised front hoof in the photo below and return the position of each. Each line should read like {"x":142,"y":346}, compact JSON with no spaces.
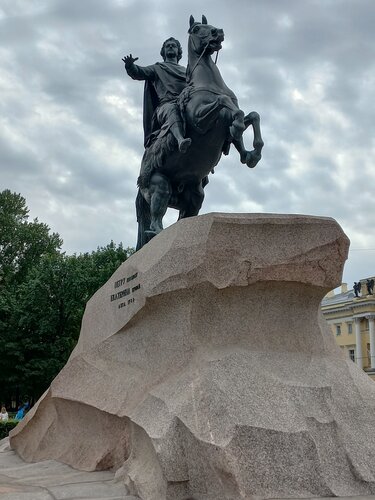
{"x":252,"y":158}
{"x":184,"y":145}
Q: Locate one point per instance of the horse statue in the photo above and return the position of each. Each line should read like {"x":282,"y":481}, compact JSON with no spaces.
{"x":213,"y":121}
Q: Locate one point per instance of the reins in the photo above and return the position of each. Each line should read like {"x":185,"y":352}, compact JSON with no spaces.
{"x":200,"y":57}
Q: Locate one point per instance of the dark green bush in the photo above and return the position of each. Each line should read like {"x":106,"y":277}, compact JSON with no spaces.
{"x":6,"y":427}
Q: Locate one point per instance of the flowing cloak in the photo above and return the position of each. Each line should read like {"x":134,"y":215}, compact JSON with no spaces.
{"x":169,"y":81}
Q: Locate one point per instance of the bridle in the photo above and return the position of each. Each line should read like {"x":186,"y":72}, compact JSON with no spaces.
{"x":201,"y":55}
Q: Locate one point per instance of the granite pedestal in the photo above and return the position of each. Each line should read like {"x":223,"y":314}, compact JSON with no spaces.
{"x":205,"y":369}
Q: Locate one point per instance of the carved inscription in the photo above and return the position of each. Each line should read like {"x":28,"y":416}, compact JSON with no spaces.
{"x":129,"y":290}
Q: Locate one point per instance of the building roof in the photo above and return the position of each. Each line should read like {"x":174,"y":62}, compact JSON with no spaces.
{"x":338,"y":298}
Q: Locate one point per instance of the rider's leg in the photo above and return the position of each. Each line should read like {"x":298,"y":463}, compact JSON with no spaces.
{"x":183,"y":144}
{"x":159,"y":193}
{"x":169,"y":113}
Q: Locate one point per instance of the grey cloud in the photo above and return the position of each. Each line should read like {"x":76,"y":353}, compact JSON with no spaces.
{"x":65,"y":59}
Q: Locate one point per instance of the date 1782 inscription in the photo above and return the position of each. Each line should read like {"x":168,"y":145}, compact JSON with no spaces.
{"x":129,"y":290}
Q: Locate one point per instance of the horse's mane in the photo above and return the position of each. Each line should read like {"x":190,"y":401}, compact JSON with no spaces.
{"x":188,"y":68}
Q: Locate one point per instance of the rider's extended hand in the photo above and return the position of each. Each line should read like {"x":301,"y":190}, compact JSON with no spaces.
{"x":129,"y":60}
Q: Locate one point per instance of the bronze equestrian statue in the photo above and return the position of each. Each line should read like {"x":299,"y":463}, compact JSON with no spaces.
{"x":190,"y":118}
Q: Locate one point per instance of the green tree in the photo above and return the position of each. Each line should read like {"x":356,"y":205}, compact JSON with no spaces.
{"x":43,"y":293}
{"x":23,"y":244}
{"x":50,"y":305}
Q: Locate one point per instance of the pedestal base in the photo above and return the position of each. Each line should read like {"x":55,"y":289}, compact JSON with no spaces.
{"x":205,"y":368}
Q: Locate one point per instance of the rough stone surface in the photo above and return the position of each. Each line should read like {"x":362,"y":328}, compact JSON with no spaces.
{"x":205,"y":370}
{"x":51,"y":480}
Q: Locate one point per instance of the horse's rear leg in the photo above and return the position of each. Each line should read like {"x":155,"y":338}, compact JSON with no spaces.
{"x":159,"y":193}
{"x":191,"y":200}
{"x":143,"y":219}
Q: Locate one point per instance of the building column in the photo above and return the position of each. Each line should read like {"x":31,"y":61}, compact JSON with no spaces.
{"x":371,"y":325}
{"x":358,"y":341}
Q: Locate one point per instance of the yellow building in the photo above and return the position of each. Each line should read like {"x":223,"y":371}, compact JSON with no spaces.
{"x":352,"y":321}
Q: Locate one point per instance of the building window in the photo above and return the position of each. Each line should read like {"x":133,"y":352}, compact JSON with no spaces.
{"x":350,"y":327}
{"x":338,"y":329}
{"x":351,"y":354}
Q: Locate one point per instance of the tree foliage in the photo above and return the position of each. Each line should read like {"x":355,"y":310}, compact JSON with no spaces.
{"x":43,"y":293}
{"x":22,"y":243}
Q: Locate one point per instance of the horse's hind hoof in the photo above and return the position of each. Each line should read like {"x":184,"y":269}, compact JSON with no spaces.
{"x":150,"y":234}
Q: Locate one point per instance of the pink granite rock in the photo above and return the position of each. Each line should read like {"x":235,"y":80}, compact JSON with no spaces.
{"x":204,"y":367}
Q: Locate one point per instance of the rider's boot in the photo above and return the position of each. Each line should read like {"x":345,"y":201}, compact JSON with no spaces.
{"x":183,"y":143}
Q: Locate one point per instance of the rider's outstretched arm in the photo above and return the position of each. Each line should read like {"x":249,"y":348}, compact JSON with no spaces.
{"x":138,"y":72}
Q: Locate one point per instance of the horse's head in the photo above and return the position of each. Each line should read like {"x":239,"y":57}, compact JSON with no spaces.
{"x":204,"y":37}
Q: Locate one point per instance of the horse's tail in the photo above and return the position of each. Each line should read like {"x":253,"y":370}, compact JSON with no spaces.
{"x":143,"y":218}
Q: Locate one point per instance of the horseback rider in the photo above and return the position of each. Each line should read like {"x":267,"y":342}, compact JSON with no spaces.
{"x":163,"y":84}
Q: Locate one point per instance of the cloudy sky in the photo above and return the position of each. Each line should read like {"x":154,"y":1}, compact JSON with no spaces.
{"x":71,"y":122}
